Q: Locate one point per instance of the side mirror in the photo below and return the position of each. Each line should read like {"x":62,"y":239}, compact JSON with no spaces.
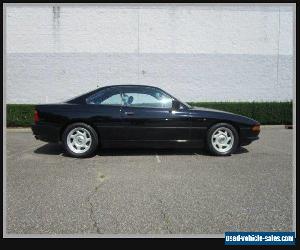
{"x":175,"y":105}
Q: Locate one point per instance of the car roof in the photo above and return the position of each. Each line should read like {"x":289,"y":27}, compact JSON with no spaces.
{"x":128,"y":85}
{"x":82,"y":97}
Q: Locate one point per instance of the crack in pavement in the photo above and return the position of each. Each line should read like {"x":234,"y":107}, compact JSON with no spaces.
{"x":92,"y":213}
{"x":24,"y":151}
{"x":92,"y":209}
{"x":164,"y":215}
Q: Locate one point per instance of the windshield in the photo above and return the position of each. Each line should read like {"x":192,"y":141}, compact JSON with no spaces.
{"x":189,"y":106}
{"x":184,"y":103}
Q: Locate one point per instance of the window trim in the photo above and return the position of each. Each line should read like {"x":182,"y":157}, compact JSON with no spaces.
{"x":105,"y":105}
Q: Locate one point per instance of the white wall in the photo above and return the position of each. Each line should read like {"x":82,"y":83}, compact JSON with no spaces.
{"x":197,"y":53}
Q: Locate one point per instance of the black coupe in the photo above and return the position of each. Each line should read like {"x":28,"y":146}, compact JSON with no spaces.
{"x":140,"y":116}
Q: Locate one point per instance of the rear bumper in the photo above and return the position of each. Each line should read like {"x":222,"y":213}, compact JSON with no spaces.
{"x":46,"y":132}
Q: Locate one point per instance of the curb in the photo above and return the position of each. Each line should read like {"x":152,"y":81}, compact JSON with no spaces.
{"x":18,"y":129}
{"x":272,"y":126}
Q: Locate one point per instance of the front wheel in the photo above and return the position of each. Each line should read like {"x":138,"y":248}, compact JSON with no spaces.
{"x":222,"y":139}
{"x":80,"y":140}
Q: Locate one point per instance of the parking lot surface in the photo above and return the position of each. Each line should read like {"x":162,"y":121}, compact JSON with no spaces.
{"x":134,"y":191}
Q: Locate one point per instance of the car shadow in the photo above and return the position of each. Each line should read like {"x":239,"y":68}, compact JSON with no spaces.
{"x":57,"y":149}
{"x":50,"y":149}
{"x":148,"y":151}
{"x":241,"y":150}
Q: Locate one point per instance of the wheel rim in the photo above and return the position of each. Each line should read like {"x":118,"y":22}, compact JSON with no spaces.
{"x":79,"y":140}
{"x":222,"y":139}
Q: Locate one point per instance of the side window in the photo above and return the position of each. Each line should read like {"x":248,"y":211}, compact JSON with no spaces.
{"x":112,"y":100}
{"x":146,"y":97}
{"x":106,"y":97}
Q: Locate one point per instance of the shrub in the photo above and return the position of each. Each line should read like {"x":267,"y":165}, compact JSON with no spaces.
{"x":19,"y":115}
{"x":264,"y":112}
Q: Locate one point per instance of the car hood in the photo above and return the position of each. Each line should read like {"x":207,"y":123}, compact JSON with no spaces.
{"x":223,"y":115}
{"x":211,"y":110}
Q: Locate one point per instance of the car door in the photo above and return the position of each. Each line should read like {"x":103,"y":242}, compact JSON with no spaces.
{"x":105,"y":108}
{"x":147,"y":115}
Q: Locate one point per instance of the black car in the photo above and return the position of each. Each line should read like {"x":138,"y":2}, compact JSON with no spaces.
{"x":139,"y":116}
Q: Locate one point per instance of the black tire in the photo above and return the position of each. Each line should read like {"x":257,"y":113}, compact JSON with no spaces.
{"x":92,"y":146}
{"x":210,"y":133}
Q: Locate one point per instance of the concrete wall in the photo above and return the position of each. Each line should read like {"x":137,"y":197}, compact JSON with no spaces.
{"x":197,"y":53}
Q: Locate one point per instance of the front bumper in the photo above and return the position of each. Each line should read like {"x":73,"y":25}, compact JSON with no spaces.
{"x":248,"y":140}
{"x":247,"y":136}
{"x":46,"y":132}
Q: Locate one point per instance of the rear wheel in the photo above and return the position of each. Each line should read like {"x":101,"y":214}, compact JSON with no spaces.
{"x":222,"y":139}
{"x":80,"y":140}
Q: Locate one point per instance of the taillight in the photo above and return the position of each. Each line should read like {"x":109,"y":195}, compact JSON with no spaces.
{"x":36,"y":116}
{"x":256,"y":128}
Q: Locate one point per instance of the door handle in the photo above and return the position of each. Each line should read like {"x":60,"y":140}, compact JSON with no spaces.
{"x":129,"y":113}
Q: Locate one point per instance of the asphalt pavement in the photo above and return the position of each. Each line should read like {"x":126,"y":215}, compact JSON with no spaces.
{"x":147,"y":191}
